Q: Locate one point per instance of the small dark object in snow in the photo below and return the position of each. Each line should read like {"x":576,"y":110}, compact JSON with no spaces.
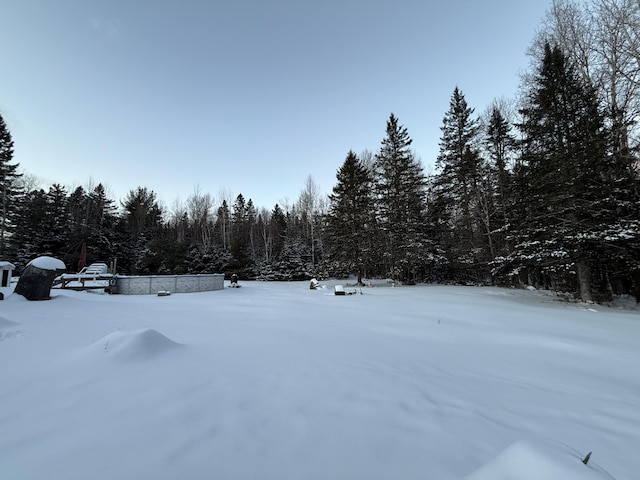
{"x":339,"y":290}
{"x":163,"y":293}
{"x":585,"y":460}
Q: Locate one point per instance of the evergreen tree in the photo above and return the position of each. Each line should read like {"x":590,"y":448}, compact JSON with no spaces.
{"x":277,"y":231}
{"x":56,"y":230}
{"x":142,"y":213}
{"x":493,"y":197}
{"x":463,"y":206}
{"x":240,"y":234}
{"x":223,"y":225}
{"x":499,"y":143}
{"x":351,"y":216}
{"x":8,"y":176}
{"x":562,"y":179}
{"x":142,"y":219}
{"x":458,"y":160}
{"x":252,"y":226}
{"x":239,"y":213}
{"x":31,"y":217}
{"x":97,"y":229}
{"x":400,"y":198}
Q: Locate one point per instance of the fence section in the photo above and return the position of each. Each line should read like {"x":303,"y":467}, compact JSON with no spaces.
{"x":152,"y":284}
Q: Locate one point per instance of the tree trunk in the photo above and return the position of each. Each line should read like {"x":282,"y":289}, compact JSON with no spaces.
{"x":584,"y":281}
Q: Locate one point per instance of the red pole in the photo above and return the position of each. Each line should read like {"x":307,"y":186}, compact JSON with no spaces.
{"x":83,"y":256}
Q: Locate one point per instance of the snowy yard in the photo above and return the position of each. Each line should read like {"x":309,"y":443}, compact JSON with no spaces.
{"x":276,"y":381}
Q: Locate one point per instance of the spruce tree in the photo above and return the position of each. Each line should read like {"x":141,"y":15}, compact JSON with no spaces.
{"x":350,"y":218}
{"x":500,"y":143}
{"x":458,"y":158}
{"x":277,"y":231}
{"x":142,"y":212}
{"x":142,"y":220}
{"x":252,"y":228}
{"x":8,"y":177}
{"x":240,"y":233}
{"x":223,"y":224}
{"x":98,"y":232}
{"x":463,"y":197}
{"x":562,"y":179}
{"x":499,"y":148}
{"x":400,"y":189}
{"x":28,"y":238}
{"x":57,"y":229}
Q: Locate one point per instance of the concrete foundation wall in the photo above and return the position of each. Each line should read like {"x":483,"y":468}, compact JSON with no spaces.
{"x":151,"y":285}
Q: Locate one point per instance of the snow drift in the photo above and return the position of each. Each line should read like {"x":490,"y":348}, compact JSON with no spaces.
{"x":137,"y":345}
{"x":9,"y":329}
{"x":536,"y":461}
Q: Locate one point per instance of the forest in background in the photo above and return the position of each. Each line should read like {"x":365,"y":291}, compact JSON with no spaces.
{"x":542,"y":191}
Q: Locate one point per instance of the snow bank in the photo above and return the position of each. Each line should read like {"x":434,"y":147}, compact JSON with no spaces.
{"x":537,"y":461}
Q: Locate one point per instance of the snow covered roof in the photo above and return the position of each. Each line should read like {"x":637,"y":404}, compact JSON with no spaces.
{"x":7,"y":266}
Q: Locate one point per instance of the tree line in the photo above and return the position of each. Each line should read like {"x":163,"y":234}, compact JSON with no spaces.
{"x":544,"y":194}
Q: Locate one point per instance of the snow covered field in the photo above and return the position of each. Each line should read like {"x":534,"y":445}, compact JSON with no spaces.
{"x":276,"y":381}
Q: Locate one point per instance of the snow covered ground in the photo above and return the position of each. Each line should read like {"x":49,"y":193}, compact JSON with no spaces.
{"x":277,"y":381}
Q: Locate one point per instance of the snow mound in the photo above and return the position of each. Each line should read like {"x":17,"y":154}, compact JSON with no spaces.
{"x":7,"y":324}
{"x":136,"y":345}
{"x":9,"y":329}
{"x":527,"y":461}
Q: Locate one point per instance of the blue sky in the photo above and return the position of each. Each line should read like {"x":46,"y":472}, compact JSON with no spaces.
{"x":243,"y":96}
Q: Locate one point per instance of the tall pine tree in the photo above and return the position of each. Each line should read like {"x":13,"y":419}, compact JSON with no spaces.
{"x":561,"y":179}
{"x":8,"y":177}
{"x":463,"y":203}
{"x":500,"y":143}
{"x":350,"y":218}
{"x":400,"y":188}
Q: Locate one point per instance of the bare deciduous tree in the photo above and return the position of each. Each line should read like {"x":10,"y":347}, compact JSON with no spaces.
{"x":200,"y":211}
{"x":309,"y":204}
{"x":602,"y":40}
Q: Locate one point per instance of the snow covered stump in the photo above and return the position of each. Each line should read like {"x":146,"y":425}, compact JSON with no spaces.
{"x":37,"y":278}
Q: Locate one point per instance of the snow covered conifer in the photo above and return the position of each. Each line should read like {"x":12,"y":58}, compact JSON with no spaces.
{"x":351,"y":216}
{"x":462,"y":192}
{"x":400,"y":188}
{"x":8,"y":176}
{"x":561,"y":179}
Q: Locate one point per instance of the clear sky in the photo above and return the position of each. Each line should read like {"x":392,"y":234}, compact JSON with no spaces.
{"x":243,"y":96}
